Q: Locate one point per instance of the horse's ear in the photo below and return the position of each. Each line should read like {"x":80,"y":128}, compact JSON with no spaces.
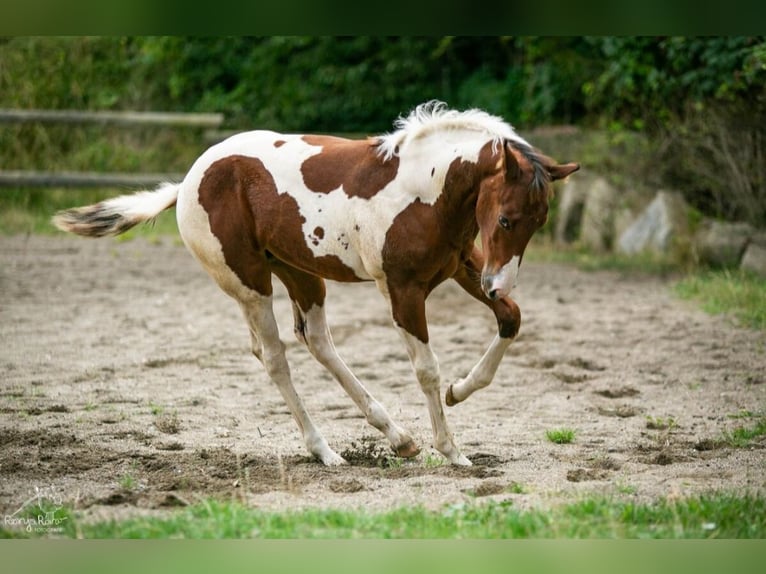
{"x":561,"y":171}
{"x":512,"y":167}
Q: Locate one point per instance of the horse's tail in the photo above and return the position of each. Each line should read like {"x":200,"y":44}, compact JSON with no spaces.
{"x":117,"y":215}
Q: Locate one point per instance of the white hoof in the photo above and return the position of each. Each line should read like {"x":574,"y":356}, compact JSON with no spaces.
{"x":460,"y":460}
{"x":332,"y":459}
{"x":454,"y":457}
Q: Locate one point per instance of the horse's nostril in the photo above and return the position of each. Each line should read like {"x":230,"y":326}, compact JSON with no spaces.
{"x":493,"y":294}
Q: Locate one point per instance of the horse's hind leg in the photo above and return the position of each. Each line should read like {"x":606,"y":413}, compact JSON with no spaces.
{"x":208,"y":221}
{"x":268,"y":347}
{"x":308,"y":293}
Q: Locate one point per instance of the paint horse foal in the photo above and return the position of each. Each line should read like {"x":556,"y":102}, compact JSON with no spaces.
{"x":402,"y":210}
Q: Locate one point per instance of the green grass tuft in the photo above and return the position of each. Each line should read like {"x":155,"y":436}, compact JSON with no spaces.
{"x":560,"y":436}
{"x":660,"y":423}
{"x":743,"y":437}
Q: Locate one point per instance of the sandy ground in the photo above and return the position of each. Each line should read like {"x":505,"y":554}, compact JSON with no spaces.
{"x":128,"y":387}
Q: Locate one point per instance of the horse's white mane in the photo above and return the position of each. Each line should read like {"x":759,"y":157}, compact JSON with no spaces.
{"x":434,"y":115}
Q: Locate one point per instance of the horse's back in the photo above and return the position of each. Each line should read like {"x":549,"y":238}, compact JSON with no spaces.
{"x":257,"y":191}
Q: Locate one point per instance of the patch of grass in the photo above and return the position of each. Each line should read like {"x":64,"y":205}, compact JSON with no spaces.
{"x":734,"y":292}
{"x":623,"y":488}
{"x":743,"y":414}
{"x":707,"y":516}
{"x":156,"y":409}
{"x":391,"y":461}
{"x":128,"y":482}
{"x":516,"y":488}
{"x":560,"y":436}
{"x":543,"y":250}
{"x":743,"y":437}
{"x":433,"y":461}
{"x":659,"y":423}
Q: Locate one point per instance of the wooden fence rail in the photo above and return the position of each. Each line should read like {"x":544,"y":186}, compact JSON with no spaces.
{"x":121,"y":118}
{"x":18,"y":178}
{"x":10,"y":178}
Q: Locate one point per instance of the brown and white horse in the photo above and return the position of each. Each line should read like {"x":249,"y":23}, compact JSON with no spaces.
{"x":403,"y":210}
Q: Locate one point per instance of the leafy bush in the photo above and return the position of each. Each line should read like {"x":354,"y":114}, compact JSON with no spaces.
{"x":700,"y":100}
{"x":716,"y":153}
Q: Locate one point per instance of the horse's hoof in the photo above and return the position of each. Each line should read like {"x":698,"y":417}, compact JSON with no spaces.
{"x":461,"y":460}
{"x":449,"y":398}
{"x":332,"y":459}
{"x":408,"y":449}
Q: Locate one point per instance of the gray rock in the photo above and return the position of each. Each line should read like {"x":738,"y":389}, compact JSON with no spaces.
{"x":661,"y":227}
{"x":721,"y":243}
{"x":597,"y":229}
{"x":572,"y":193}
{"x":754,"y":258}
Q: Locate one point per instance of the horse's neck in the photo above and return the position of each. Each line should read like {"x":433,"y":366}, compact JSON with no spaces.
{"x":450,"y":144}
{"x":434,"y":160}
{"x":449,"y":167}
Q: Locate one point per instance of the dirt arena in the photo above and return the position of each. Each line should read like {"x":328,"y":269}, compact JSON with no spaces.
{"x":128,"y":387}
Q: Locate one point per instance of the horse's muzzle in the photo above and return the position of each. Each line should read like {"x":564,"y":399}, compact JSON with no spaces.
{"x":487,"y":286}
{"x":499,"y":284}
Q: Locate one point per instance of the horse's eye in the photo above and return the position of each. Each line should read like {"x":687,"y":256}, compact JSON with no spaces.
{"x":504,"y":223}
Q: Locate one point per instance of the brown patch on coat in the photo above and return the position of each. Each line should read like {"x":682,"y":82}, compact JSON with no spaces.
{"x":353,"y":164}
{"x":258,"y":227}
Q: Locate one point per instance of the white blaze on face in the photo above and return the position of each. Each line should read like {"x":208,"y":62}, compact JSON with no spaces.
{"x":504,"y":280}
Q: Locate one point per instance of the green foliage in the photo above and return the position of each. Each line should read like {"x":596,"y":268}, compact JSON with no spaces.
{"x":307,"y":83}
{"x":700,"y":100}
{"x":299,"y":83}
{"x":649,"y":79}
{"x":358,"y":84}
{"x":703,"y":101}
{"x":69,"y":72}
{"x":715,"y":152}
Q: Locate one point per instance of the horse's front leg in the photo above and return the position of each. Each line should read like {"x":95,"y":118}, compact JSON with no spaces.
{"x":508,"y":321}
{"x":409,"y":313}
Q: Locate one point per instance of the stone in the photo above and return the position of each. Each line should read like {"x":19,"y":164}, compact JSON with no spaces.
{"x":754,"y":258}
{"x":662,"y":227}
{"x":722,"y":243}
{"x":571,"y":193}
{"x":597,"y":228}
